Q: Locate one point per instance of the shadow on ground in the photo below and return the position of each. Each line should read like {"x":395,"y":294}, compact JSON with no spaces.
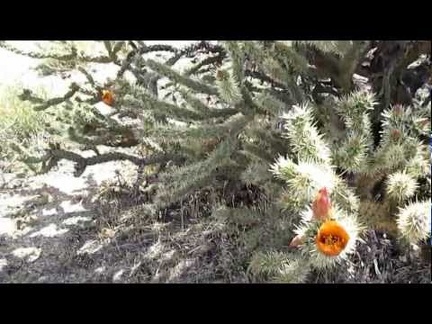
{"x":55,"y":236}
{"x":74,"y":237}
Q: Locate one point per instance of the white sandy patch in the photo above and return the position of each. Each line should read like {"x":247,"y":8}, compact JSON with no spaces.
{"x":66,"y":183}
{"x":7,"y":226}
{"x":49,"y":212}
{"x":50,"y":231}
{"x":30,"y":253}
{"x":8,"y":203}
{"x":75,"y":220}
{"x":70,"y":207}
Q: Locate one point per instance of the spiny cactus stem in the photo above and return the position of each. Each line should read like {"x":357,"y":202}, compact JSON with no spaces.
{"x":82,"y":163}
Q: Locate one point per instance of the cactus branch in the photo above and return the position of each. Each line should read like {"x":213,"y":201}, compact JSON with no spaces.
{"x":82,"y":163}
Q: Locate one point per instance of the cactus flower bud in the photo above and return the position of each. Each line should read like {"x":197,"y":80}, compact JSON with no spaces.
{"x":296,"y":241}
{"x":395,"y":134}
{"x":321,"y":206}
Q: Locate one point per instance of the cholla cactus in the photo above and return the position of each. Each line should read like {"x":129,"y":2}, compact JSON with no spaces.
{"x":331,"y":180}
{"x":278,"y":267}
{"x":310,"y":168}
{"x":351,"y":153}
{"x":400,"y":158}
{"x":327,"y":233}
{"x":228,"y":87}
{"x":414,"y":221}
{"x":304,"y":178}
{"x":305,"y":140}
{"x":326,"y":236}
{"x":292,"y":271}
{"x":401,"y":186}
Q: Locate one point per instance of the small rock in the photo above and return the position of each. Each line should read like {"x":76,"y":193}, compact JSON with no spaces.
{"x":7,"y":226}
{"x":50,"y":231}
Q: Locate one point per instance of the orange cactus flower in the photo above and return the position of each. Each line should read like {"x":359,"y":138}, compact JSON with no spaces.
{"x":107,"y":97}
{"x":332,"y":238}
{"x":321,"y":205}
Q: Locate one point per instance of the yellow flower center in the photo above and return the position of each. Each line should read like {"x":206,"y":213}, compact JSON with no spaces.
{"x":332,"y":238}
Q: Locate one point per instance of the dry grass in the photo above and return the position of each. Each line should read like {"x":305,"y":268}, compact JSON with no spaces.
{"x":19,"y":125}
{"x":120,"y":243}
{"x":181,"y":244}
